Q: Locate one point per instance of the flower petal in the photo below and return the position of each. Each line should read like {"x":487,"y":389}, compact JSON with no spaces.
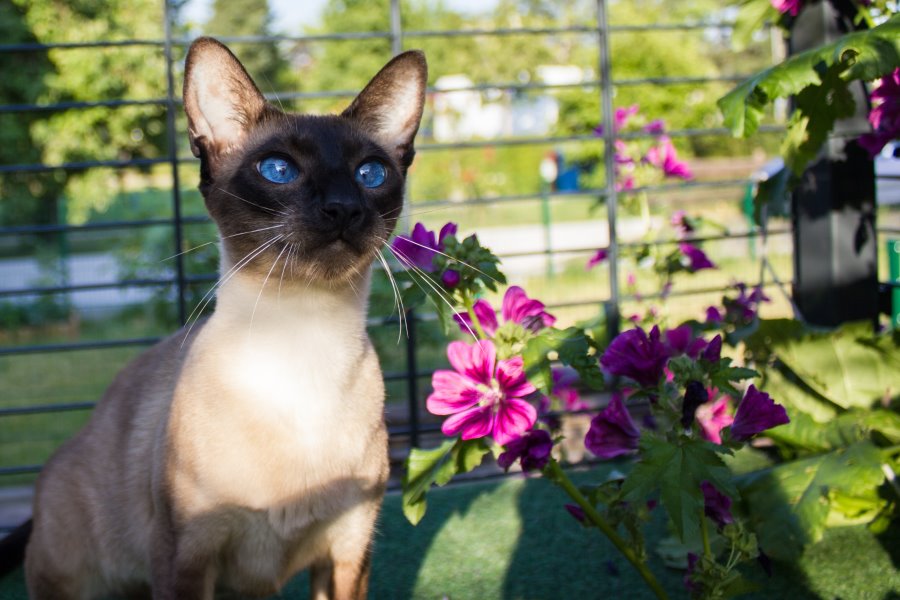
{"x":452,"y":393}
{"x":486,"y":316}
{"x":511,"y":377}
{"x":514,"y":418}
{"x":474,"y":423}
{"x":475,"y":361}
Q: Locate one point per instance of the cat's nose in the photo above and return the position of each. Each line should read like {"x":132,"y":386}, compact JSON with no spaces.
{"x":340,"y":214}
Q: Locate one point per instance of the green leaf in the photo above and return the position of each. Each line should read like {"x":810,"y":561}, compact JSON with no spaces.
{"x":850,"y":367}
{"x":788,"y":505}
{"x":677,"y":470}
{"x":571,"y":346}
{"x":424,"y":468}
{"x":773,"y":193}
{"x":825,"y":70}
{"x":809,"y":435}
{"x":468,"y":454}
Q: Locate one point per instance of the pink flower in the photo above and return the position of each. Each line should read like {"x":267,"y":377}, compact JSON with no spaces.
{"x":600,"y":256}
{"x":620,"y":119}
{"x":483,"y":395}
{"x":682,"y":224}
{"x":420,"y":247}
{"x":517,"y":307}
{"x":713,"y":417}
{"x":791,"y":7}
{"x":665,"y":157}
{"x":612,"y":432}
{"x":756,"y":413}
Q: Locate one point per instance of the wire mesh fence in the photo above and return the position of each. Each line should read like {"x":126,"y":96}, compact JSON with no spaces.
{"x":106,"y":248}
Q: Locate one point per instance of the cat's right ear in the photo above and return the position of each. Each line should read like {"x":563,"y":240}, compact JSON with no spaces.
{"x":221,"y":102}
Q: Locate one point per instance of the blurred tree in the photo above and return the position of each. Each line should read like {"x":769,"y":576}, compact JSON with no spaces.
{"x":28,"y":198}
{"x":236,"y":18}
{"x":92,"y":74}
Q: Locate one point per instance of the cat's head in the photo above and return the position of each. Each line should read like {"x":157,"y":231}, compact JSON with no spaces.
{"x":310,"y":197}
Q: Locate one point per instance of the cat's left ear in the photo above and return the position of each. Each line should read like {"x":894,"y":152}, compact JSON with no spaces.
{"x":390,"y":107}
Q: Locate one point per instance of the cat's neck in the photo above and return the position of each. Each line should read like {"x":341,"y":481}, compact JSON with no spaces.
{"x":247,"y":301}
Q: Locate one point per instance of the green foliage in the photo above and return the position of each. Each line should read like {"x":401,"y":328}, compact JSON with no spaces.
{"x":790,"y":504}
{"x":569,"y":346}
{"x":251,"y":18}
{"x":819,"y":78}
{"x":437,"y":466}
{"x":677,"y":470}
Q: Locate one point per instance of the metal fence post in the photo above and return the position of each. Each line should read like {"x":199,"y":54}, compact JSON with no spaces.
{"x":172,"y":148}
{"x":835,"y":242}
{"x":609,"y":150}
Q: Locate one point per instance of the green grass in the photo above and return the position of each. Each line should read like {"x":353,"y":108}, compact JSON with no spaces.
{"x":512,"y":539}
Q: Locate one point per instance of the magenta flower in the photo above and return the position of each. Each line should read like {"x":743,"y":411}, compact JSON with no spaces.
{"x":483,"y":395}
{"x":791,"y":7}
{"x":620,"y":119}
{"x":885,"y":114}
{"x":717,"y":506}
{"x":665,"y":157}
{"x":682,"y":224}
{"x":697,"y":259}
{"x":517,"y":307}
{"x":612,"y":432}
{"x":713,"y":350}
{"x":713,"y":417}
{"x":532,"y":450}
{"x":638,"y":356}
{"x":601,"y":255}
{"x":420,"y":248}
{"x":756,"y":413}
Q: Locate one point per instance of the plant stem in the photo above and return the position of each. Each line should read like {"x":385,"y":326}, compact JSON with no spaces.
{"x":470,"y":304}
{"x":707,"y":550}
{"x":558,"y":476}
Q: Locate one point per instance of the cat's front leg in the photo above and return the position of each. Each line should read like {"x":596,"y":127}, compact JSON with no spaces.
{"x":347,"y":579}
{"x":182,"y":566}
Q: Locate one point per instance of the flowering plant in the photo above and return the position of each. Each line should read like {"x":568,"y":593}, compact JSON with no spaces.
{"x":670,"y":376}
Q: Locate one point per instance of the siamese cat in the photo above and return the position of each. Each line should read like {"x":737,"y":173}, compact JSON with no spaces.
{"x":251,"y":446}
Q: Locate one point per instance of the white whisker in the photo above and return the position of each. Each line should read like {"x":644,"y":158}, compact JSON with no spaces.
{"x":259,"y":206}
{"x":262,"y":289}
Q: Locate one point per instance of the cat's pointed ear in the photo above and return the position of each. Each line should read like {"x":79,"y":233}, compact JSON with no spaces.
{"x":390,"y":107}
{"x":220,"y":99}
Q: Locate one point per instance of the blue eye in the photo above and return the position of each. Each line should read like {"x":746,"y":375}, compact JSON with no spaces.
{"x":371,"y":174}
{"x":277,"y":169}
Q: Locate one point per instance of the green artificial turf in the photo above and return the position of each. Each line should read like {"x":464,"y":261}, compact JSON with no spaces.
{"x":513,"y":539}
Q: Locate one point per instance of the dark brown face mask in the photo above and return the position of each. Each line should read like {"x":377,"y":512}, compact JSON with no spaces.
{"x":321,"y":193}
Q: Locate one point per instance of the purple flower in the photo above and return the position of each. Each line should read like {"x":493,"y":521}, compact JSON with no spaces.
{"x":577,"y":512}
{"x":713,"y":315}
{"x":743,"y":309}
{"x":717,"y":506}
{"x":681,"y":340}
{"x":613,"y":431}
{"x":565,"y":381}
{"x":517,"y":307}
{"x":665,"y":157}
{"x":419,"y":249}
{"x":655,"y":127}
{"x":713,"y":350}
{"x":450,"y":278}
{"x":696,"y":257}
{"x":791,"y":7}
{"x":483,"y":395}
{"x":885,"y":114}
{"x":756,"y":413}
{"x":713,"y":417}
{"x":638,"y":356}
{"x":692,"y":560}
{"x":532,"y":450}
{"x":601,"y":255}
